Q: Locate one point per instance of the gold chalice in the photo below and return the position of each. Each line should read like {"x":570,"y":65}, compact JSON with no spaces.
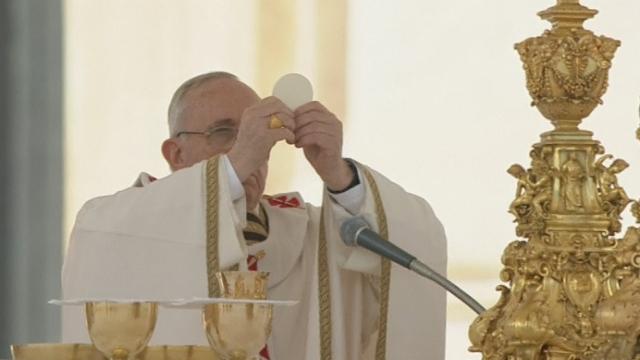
{"x":243,"y":284}
{"x":55,"y":352}
{"x":239,"y":331}
{"x":121,"y":330}
{"x":183,"y":352}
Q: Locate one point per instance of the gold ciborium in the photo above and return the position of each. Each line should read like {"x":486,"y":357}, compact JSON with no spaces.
{"x":121,"y":330}
{"x":55,"y":352}
{"x":181,"y":352}
{"x":238,"y":331}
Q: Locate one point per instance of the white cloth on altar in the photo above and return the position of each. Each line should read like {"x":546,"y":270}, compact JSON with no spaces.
{"x":149,"y":242}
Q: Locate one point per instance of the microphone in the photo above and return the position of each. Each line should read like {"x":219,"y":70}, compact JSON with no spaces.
{"x":356,"y":232}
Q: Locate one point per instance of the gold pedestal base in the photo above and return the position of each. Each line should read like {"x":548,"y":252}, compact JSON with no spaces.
{"x":89,"y":352}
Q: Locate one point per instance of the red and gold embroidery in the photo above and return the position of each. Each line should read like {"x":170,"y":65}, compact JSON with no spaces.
{"x":284,"y":201}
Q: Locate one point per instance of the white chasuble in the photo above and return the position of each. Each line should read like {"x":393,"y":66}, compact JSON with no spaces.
{"x":149,"y":242}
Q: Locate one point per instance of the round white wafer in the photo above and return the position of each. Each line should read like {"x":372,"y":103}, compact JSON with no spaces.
{"x":294,"y":90}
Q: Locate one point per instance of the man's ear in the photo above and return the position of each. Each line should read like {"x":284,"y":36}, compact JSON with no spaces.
{"x":173,"y":154}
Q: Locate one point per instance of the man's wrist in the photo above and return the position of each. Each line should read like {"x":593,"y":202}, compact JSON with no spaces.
{"x":238,"y":166}
{"x":349,"y":179}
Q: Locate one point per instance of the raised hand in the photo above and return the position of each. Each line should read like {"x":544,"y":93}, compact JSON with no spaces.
{"x":255,"y":139}
{"x":319,"y":133}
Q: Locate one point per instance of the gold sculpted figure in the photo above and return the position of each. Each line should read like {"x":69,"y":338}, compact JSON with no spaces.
{"x":573,"y":176}
{"x":612,"y":196}
{"x":533,"y":194}
{"x":521,"y":206}
{"x":610,"y":191}
{"x":541,"y":174}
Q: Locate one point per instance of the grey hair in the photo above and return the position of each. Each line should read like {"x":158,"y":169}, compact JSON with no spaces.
{"x":175,"y":106}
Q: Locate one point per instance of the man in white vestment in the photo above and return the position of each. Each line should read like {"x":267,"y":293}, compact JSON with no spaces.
{"x":151,"y":241}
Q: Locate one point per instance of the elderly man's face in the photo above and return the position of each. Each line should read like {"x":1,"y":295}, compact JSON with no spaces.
{"x":214,"y":107}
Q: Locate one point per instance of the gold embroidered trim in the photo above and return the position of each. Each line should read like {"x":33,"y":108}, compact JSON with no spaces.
{"x":213,"y":264}
{"x":324,"y":292}
{"x":385,"y":272}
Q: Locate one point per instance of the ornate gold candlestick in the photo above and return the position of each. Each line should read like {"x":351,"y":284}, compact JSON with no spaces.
{"x":574,"y":287}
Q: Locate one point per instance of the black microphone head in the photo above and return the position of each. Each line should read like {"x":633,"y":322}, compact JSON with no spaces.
{"x":350,"y":229}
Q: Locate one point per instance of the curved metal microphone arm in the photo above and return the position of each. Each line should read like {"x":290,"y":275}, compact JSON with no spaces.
{"x":356,"y":232}
{"x":428,"y":273}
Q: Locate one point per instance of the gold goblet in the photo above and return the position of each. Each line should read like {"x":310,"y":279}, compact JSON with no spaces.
{"x":121,"y":330}
{"x":55,"y":352}
{"x":239,"y":331}
{"x":243,"y":284}
{"x":184,"y":352}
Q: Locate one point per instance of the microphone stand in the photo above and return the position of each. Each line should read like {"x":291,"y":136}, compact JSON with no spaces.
{"x":356,"y":232}
{"x":425,"y":271}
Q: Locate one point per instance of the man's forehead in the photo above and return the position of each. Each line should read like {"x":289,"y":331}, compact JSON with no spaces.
{"x":217,"y":101}
{"x":221,"y":89}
